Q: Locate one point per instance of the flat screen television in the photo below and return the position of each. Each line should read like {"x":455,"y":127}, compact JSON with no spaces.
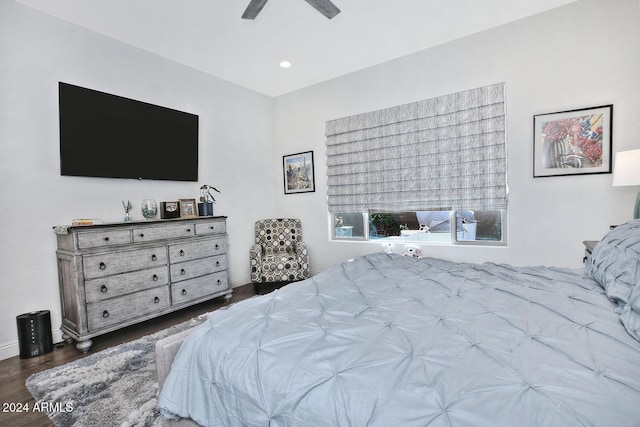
{"x":104,"y":135}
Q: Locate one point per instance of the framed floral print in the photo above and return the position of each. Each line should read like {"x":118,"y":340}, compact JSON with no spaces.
{"x":572,"y":142}
{"x":298,"y":173}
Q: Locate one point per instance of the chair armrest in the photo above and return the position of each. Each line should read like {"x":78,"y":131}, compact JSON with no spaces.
{"x":303,"y":259}
{"x":301,"y":248}
{"x":256,"y":251}
{"x":255,"y":258}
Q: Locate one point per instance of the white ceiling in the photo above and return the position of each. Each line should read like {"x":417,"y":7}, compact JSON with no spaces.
{"x":210,"y":36}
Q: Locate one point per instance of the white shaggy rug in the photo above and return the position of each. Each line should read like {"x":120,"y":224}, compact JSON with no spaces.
{"x":115,"y":387}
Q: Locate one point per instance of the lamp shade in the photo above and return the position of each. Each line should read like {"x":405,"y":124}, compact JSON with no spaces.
{"x":627,"y":168}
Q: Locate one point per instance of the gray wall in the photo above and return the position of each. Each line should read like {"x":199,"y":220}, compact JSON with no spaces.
{"x":581,"y":55}
{"x":37,"y":51}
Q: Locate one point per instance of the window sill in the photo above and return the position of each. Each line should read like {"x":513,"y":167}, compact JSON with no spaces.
{"x":399,"y":240}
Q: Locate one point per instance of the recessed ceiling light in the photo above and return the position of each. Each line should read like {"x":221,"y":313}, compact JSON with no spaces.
{"x":285,"y":64}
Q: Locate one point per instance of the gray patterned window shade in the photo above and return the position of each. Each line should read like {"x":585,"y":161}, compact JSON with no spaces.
{"x":447,"y":152}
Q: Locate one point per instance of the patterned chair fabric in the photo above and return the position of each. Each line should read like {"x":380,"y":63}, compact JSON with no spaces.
{"x":279,"y":254}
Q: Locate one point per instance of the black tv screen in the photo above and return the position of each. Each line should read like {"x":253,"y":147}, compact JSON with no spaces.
{"x":103,"y":135}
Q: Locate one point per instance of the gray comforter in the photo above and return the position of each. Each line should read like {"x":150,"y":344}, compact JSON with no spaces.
{"x":387,"y":340}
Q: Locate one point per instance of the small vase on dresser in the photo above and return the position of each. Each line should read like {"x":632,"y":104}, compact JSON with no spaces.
{"x":149,"y":208}
{"x":205,"y":209}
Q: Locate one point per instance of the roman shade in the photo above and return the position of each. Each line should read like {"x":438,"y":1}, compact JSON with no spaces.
{"x":447,"y":152}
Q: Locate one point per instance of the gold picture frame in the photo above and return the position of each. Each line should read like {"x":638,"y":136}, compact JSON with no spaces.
{"x":188,"y":208}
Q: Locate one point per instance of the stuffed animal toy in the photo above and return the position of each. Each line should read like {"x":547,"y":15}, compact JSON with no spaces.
{"x":412,"y":251}
{"x":386,"y":248}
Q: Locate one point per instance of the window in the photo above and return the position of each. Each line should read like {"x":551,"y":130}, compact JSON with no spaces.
{"x":445,"y":155}
{"x":479,"y":227}
{"x":483,"y":226}
{"x":421,"y":226}
{"x":348,"y":226}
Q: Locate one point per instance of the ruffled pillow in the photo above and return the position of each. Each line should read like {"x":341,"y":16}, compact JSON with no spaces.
{"x":615,"y":265}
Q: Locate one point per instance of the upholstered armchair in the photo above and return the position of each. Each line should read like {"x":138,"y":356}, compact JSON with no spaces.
{"x":279,"y":254}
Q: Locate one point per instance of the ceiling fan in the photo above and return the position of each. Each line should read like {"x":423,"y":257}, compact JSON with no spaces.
{"x":325,"y":7}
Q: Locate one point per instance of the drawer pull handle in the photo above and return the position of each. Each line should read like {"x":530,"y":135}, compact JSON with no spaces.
{"x":181,"y":252}
{"x":212,"y":227}
{"x":156,"y":300}
{"x":217,"y":263}
{"x":184,"y":292}
{"x":103,"y":266}
{"x":141,"y":234}
{"x":106,"y":239}
{"x":182,"y":271}
{"x":154,"y":257}
{"x":103,"y":289}
{"x":219,"y":282}
{"x":188,"y":230}
{"x":105,"y":314}
{"x":155,"y":277}
{"x":217,"y":247}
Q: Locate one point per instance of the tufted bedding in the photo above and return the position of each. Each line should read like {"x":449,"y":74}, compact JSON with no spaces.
{"x":387,"y":340}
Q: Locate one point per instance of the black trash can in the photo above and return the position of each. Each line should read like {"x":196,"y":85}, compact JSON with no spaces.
{"x":34,"y":333}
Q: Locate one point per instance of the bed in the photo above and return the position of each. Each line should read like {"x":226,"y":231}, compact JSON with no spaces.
{"x":388,"y":340}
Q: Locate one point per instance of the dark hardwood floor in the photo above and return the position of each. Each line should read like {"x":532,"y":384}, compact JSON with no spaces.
{"x":15,"y":371}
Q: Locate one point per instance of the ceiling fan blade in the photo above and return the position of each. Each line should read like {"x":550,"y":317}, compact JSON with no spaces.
{"x":254,"y":8}
{"x":325,"y":7}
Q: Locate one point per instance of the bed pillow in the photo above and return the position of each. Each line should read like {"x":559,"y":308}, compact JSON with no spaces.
{"x":615,"y":262}
{"x":630,"y":315}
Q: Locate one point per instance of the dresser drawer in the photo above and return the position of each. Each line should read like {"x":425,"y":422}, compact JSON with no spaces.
{"x":101,"y":265}
{"x":149,"y":234}
{"x":96,"y":239}
{"x":199,"y":267}
{"x":113,"y":311}
{"x":199,"y":287}
{"x":125,"y":283}
{"x":193,"y":250}
{"x":211,"y":227}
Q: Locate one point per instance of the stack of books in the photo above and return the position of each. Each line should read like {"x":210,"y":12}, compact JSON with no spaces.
{"x":86,"y":221}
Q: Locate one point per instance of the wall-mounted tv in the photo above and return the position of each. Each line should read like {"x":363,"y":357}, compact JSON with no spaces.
{"x":104,"y":135}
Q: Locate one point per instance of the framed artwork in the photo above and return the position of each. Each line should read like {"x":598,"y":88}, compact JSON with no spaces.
{"x":575,"y":142}
{"x":298,"y":173}
{"x":188,"y":208}
{"x":169,"y":210}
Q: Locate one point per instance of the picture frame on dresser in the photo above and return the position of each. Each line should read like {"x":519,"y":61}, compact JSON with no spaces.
{"x":169,"y":210}
{"x":188,"y":208}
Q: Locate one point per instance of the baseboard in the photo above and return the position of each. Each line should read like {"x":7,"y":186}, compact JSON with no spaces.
{"x":242,"y":281}
{"x":56,"y":336}
{"x":9,"y":350}
{"x":12,"y":349}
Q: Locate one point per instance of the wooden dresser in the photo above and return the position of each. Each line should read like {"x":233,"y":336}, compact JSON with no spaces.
{"x":115,"y":275}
